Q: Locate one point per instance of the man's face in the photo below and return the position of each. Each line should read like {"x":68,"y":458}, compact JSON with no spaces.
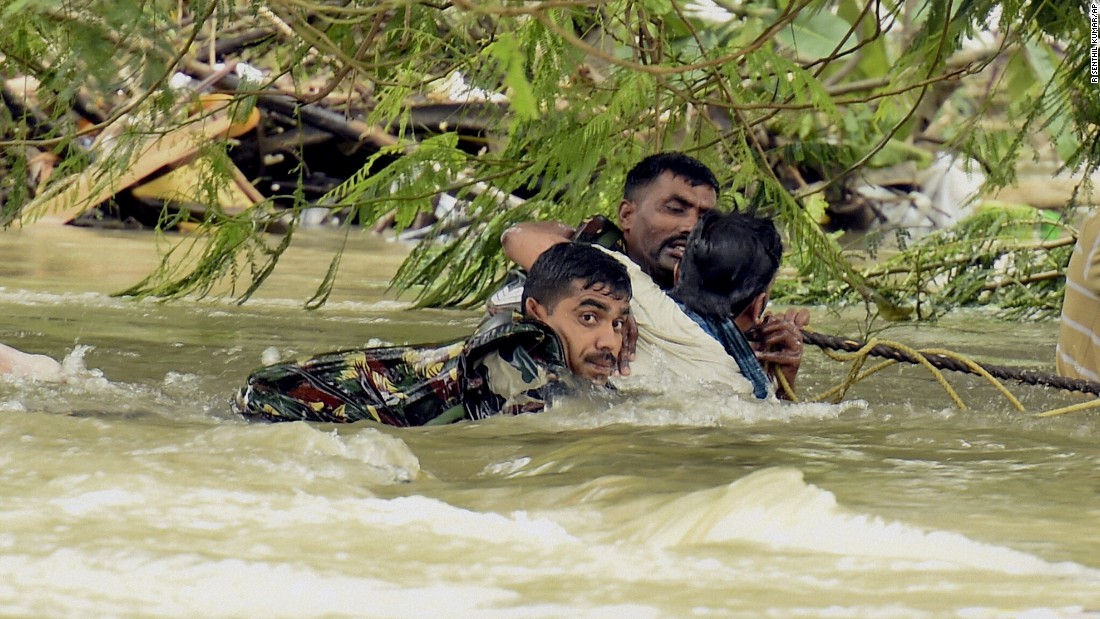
{"x":589,"y":323}
{"x":656,"y":226}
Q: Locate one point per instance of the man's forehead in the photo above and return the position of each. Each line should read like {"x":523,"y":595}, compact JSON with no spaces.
{"x":680,"y":184}
{"x":687,"y":180}
{"x":603,"y":290}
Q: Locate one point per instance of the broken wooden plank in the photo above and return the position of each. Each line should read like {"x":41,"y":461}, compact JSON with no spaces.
{"x":183,"y":187}
{"x":65,"y":201}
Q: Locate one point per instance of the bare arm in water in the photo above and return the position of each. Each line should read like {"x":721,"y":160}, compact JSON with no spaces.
{"x":25,"y":365}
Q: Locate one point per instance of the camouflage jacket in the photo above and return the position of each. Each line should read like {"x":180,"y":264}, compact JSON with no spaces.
{"x":509,"y":366}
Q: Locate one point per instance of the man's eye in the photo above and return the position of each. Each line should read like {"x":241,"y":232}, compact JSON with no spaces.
{"x":618,"y":324}
{"x":675,"y":207}
{"x":589,"y":318}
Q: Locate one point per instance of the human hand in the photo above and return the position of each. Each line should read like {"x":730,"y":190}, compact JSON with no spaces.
{"x":779,"y":341}
{"x":630,"y":344}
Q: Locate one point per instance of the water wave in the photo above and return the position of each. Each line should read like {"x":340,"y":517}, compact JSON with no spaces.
{"x":35,"y":298}
{"x":776,"y":508}
{"x":685,"y":408}
{"x":295,"y":453}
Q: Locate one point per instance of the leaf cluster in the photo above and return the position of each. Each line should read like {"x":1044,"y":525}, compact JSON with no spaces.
{"x":786,"y":100}
{"x":1013,"y":259}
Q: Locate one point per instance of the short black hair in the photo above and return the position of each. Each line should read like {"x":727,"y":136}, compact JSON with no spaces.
{"x":551,"y":277}
{"x":729,"y":259}
{"x":647,"y":170}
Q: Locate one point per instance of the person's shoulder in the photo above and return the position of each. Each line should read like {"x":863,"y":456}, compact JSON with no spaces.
{"x":511,"y":367}
{"x":632,"y":268}
{"x":508,"y":333}
{"x":601,"y":231}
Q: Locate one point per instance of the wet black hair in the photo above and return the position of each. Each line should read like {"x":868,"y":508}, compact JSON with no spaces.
{"x":729,"y":260}
{"x":551,"y":277}
{"x":647,"y":170}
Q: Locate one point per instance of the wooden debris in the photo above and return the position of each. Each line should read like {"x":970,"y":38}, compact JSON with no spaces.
{"x":287,"y":151}
{"x":64,"y":202}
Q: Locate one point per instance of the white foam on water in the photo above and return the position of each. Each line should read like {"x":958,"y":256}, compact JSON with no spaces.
{"x":1067,"y":612}
{"x":183,"y":384}
{"x":384,"y":305}
{"x":169,"y":549}
{"x":684,"y":409}
{"x":73,"y":363}
{"x":270,"y":356}
{"x":310,"y":451}
{"x":31,"y":298}
{"x":192,"y":585}
{"x":213,"y":306}
{"x":99,"y":501}
{"x":777,"y":508}
{"x":448,"y":521}
{"x":383,"y":451}
{"x":331,"y":571}
{"x":898,"y":611}
{"x":507,"y":468}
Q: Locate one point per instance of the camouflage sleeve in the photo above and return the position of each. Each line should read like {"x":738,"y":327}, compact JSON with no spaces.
{"x":507,"y":382}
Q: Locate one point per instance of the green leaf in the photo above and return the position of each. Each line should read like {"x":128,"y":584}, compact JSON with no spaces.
{"x":815,"y":36}
{"x":656,"y":8}
{"x":510,"y":57}
{"x":1044,"y":61}
{"x":815,"y":205}
{"x":896,"y":151}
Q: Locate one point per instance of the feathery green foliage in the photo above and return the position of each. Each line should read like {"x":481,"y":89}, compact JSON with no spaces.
{"x":787,"y":101}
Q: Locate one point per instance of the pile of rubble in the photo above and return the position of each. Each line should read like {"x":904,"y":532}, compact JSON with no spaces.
{"x":284,"y":148}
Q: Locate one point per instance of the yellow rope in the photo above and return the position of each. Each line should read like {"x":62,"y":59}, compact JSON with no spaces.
{"x":979,"y":370}
{"x":853,"y":378}
{"x":1095,"y":403}
{"x":856,"y":373}
{"x":788,"y":390}
{"x":860,"y":356}
{"x":933,"y":369}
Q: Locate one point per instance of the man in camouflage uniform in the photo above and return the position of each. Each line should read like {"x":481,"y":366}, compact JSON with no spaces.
{"x":575,"y":301}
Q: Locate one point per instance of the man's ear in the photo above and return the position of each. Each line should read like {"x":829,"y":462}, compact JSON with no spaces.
{"x":750,"y":316}
{"x":534,"y":309}
{"x":756,"y":308}
{"x":626,"y":214}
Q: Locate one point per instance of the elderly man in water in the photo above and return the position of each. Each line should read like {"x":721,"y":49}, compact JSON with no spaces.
{"x":575,"y":304}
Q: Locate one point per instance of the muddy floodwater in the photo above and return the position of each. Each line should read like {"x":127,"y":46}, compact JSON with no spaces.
{"x":130,"y":490}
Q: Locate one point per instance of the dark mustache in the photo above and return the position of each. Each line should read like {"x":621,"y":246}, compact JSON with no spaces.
{"x":676,"y":239}
{"x":598,"y":357}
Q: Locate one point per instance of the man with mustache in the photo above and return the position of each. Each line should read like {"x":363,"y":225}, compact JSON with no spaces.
{"x":585,"y":312}
{"x":663,"y":197}
{"x":575,"y":303}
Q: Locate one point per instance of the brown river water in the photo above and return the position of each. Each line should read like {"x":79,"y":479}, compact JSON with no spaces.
{"x":130,"y":490}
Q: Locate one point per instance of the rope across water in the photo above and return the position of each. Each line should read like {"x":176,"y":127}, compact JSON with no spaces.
{"x":934,"y":360}
{"x":953,"y":363}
